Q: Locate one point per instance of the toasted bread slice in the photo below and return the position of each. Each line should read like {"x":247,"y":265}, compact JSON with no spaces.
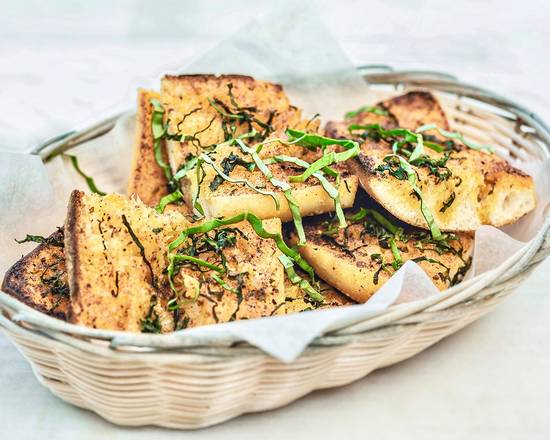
{"x":228,"y":199}
{"x":193,"y":109}
{"x":470,"y":189}
{"x":114,"y":286}
{"x":39,"y":278}
{"x":358,"y":260}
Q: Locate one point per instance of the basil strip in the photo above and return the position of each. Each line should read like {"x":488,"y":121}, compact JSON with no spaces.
{"x":367,"y":109}
{"x":176,"y":258}
{"x":407,"y":135}
{"x":184,"y":170}
{"x":297,"y":279}
{"x":223,"y":284}
{"x":284,"y":186}
{"x":411,"y":177}
{"x":332,"y":192}
{"x":326,"y":160}
{"x":455,"y":135}
{"x":159,"y":130}
{"x":176,"y":196}
{"x":313,"y":141}
{"x":207,"y":159}
{"x":89,"y":181}
{"x":383,"y":221}
{"x":53,"y":241}
{"x":254,"y":222}
{"x":397,"y":260}
{"x":418,"y":149}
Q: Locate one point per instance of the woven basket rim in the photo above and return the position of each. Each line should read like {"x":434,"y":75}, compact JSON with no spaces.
{"x":23,"y":318}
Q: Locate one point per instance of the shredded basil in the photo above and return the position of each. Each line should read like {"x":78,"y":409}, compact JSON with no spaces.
{"x":52,"y":240}
{"x":367,"y":109}
{"x":297,"y":279}
{"x":151,"y":322}
{"x":228,"y":164}
{"x":256,"y":225}
{"x":174,"y":197}
{"x":447,"y":203}
{"x":332,"y":191}
{"x":89,"y":180}
{"x":455,"y":135}
{"x":283,"y":186}
{"x":136,"y":241}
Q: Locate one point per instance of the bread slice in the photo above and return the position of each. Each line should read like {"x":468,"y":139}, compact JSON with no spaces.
{"x":39,"y":279}
{"x":230,"y":199}
{"x":190,"y":102}
{"x":481,"y":188}
{"x":114,"y":286}
{"x":255,"y":281}
{"x":358,"y":260}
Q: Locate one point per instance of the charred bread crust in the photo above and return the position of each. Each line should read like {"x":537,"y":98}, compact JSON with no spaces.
{"x":415,"y":109}
{"x":72,"y":261}
{"x":147,"y":180}
{"x":220,"y":78}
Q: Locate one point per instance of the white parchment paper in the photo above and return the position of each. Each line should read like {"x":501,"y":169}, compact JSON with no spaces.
{"x":290,"y":47}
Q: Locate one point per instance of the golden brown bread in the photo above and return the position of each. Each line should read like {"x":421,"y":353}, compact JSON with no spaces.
{"x":359,"y":259}
{"x":39,"y":278}
{"x":466,"y":189}
{"x":196,"y":107}
{"x":114,"y":286}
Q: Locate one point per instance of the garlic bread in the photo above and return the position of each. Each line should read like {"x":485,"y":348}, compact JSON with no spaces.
{"x":462,"y":187}
{"x":360,"y":258}
{"x":205,"y":111}
{"x":117,"y":260}
{"x":39,"y":279}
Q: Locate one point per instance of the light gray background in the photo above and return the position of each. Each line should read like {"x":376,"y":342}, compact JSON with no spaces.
{"x":65,"y":63}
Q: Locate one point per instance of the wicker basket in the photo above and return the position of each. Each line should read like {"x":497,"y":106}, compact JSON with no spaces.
{"x":195,"y":387}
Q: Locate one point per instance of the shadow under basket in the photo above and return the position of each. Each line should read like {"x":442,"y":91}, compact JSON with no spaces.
{"x":194,"y":387}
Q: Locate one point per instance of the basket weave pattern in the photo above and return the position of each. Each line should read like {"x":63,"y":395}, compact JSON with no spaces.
{"x":197,"y":387}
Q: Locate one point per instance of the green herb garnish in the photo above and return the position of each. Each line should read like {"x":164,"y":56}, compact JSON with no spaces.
{"x":89,"y":180}
{"x":403,"y":170}
{"x":136,"y":241}
{"x":52,"y":240}
{"x":455,"y":135}
{"x":367,"y":109}
{"x":447,"y":203}
{"x":228,"y":164}
{"x":151,"y":322}
{"x":256,"y":225}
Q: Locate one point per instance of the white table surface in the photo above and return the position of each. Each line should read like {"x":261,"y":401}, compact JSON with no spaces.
{"x":63,"y":64}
